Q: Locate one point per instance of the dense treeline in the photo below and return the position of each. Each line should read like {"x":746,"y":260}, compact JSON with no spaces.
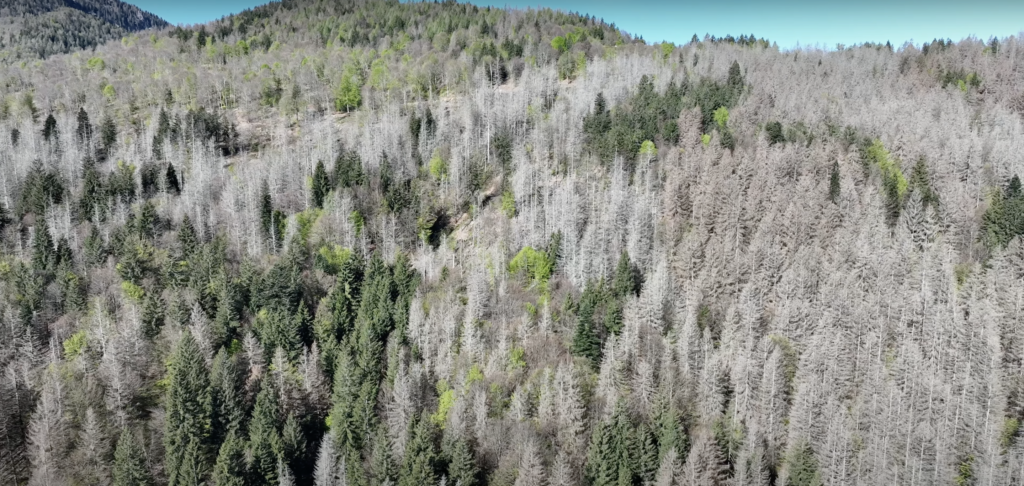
{"x":370,"y":243}
{"x":42,"y":28}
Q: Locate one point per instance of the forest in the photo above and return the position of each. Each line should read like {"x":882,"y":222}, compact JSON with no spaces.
{"x":360,"y":243}
{"x":33,"y":29}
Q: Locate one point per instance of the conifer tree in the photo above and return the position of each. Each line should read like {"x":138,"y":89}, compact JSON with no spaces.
{"x":188,"y":240}
{"x":264,"y":436}
{"x":84,"y":129}
{"x":321,"y":185}
{"x":833,"y":183}
{"x":130,"y":462}
{"x":226,"y":396}
{"x":463,"y":468}
{"x":172,"y":184}
{"x":421,"y":455}
{"x":188,"y":411}
{"x":647,"y":462}
{"x":230,"y":468}
{"x":50,"y":128}
{"x":44,"y":255}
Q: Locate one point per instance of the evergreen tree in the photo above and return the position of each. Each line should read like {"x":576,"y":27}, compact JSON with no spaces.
{"x":188,"y":240}
{"x":130,"y":462}
{"x":833,"y":184}
{"x":84,"y":130}
{"x":172,"y":184}
{"x":421,"y":455}
{"x":463,"y":468}
{"x":345,"y":423}
{"x":264,"y":437}
{"x":50,"y":128}
{"x":230,"y":468}
{"x":803,"y":467}
{"x":44,"y":255}
{"x":188,"y":412}
{"x":628,"y":279}
{"x":226,"y":396}
{"x":381,"y":462}
{"x":647,"y":456}
{"x":294,"y":446}
{"x":321,"y":185}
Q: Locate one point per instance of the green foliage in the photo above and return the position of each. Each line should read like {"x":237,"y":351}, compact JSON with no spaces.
{"x":422,"y":461}
{"x":1011,"y":426}
{"x":265,"y":444}
{"x":517,"y":358}
{"x":74,"y":345}
{"x":349,"y":95}
{"x":648,"y":149}
{"x":40,"y":189}
{"x":348,"y":169}
{"x":444,"y":403}
{"x":894,"y":184}
{"x":321,"y":185}
{"x":508,"y":204}
{"x":965,"y":472}
{"x":646,"y":116}
{"x":774,"y":132}
{"x":705,"y":139}
{"x":230,"y":468}
{"x":187,"y":422}
{"x":130,"y":462}
{"x":463,"y":468}
{"x":803,"y":466}
{"x":1004,"y":218}
{"x":438,"y":168}
{"x":536,"y":265}
{"x":721,"y":117}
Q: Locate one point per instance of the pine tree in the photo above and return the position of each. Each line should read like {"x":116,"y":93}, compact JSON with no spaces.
{"x":264,"y":437}
{"x":188,"y":411}
{"x":230,"y":468}
{"x":382,"y":464}
{"x":627,"y":277}
{"x":321,"y":185}
{"x":130,"y":462}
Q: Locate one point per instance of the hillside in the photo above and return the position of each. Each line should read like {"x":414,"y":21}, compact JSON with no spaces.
{"x":41,"y":28}
{"x":363,"y":243}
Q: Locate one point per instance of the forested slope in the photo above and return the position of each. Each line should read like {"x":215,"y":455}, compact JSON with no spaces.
{"x":373,"y":243}
{"x":31,"y":29}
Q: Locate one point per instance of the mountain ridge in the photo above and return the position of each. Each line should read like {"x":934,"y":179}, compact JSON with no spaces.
{"x":42,"y":28}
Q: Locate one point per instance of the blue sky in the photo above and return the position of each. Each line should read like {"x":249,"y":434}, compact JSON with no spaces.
{"x":790,"y":23}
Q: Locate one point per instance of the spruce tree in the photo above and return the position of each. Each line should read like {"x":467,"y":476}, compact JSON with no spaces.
{"x":462,"y":468}
{"x":44,"y":255}
{"x":188,"y":411}
{"x":230,"y":469}
{"x":421,"y":455}
{"x":188,"y":240}
{"x":321,"y":185}
{"x":647,"y":456}
{"x":84,"y":130}
{"x":833,"y":184}
{"x":50,"y":128}
{"x":172,"y":184}
{"x":130,"y":462}
{"x":264,"y":437}
{"x":585,"y":341}
{"x":226,"y":396}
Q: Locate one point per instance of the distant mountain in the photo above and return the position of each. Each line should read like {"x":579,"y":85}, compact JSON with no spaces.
{"x":41,"y":28}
